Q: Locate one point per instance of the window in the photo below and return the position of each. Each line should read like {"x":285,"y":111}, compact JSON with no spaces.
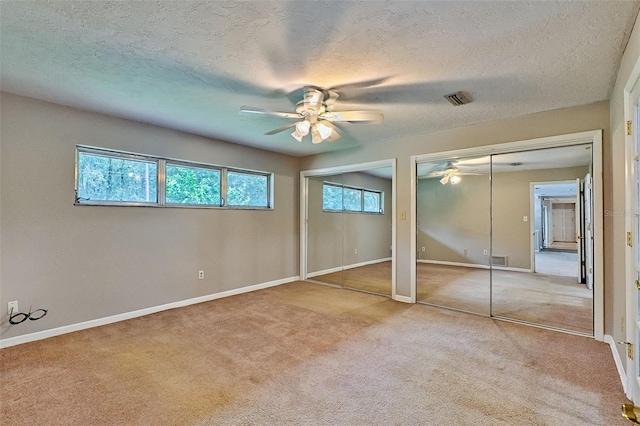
{"x":192,"y":185}
{"x":111,"y":178}
{"x":372,"y":202}
{"x":336,"y":197}
{"x":331,"y":197}
{"x":247,"y":190}
{"x":106,"y":177}
{"x":352,"y":199}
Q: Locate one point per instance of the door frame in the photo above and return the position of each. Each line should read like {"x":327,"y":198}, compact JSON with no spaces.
{"x":532,"y":216}
{"x":304,"y":205}
{"x":594,"y":137}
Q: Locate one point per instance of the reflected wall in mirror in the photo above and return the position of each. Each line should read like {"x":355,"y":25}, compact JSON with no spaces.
{"x":350,"y":216}
{"x":542,"y":243}
{"x":453,"y":241}
{"x":325,"y":229}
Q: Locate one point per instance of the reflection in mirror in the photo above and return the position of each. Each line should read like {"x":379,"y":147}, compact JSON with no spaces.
{"x":357,"y":206}
{"x":324,"y":229}
{"x":367,"y":230}
{"x":453,"y":241}
{"x":542,"y":266}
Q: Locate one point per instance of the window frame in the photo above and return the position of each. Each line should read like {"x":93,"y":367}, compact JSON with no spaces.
{"x":362,"y":192}
{"x":161,"y":164}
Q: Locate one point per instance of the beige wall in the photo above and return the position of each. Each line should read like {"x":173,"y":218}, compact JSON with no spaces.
{"x":334,"y":237}
{"x":455,"y":218}
{"x":543,"y":124}
{"x":89,"y":262}
{"x":614,"y":199}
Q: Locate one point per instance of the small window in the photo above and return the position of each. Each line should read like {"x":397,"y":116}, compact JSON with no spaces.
{"x":331,"y":197}
{"x":372,"y":202}
{"x":105,"y":178}
{"x":247,"y":190}
{"x":352,"y":199}
{"x":336,"y":197}
{"x":192,"y":185}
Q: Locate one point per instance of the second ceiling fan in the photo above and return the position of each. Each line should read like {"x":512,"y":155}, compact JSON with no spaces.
{"x":315,"y":115}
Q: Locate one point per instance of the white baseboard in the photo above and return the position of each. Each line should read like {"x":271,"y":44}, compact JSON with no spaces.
{"x":404,"y":299}
{"x":474,"y":265}
{"x":616,"y":358}
{"x":32,"y":337}
{"x":342,"y":268}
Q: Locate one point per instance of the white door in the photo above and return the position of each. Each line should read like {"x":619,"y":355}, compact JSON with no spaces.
{"x":633,"y":250}
{"x":564,"y":222}
{"x":579,"y":229}
{"x":588,"y":230}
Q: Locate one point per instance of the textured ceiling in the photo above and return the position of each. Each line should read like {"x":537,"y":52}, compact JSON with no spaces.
{"x":191,"y":65}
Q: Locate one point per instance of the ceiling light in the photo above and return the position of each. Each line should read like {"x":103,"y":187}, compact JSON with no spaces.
{"x":324,"y":130}
{"x":303,"y":127}
{"x":444,"y":180}
{"x":315,"y":135}
{"x":455,"y":179}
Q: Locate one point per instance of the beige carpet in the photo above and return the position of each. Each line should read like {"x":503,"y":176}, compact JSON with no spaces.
{"x":550,"y":300}
{"x":307,"y":354}
{"x":374,"y":278}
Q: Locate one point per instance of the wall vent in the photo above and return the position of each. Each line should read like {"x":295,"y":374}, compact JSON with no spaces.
{"x":457,"y":98}
{"x":499,"y":260}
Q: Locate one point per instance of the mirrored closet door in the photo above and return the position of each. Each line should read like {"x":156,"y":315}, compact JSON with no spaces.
{"x":510,"y":236}
{"x":542,"y":244}
{"x":349,"y":230}
{"x":453,"y":241}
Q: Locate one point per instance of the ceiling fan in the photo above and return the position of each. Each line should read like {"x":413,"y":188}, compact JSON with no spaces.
{"x":449,"y":174}
{"x":315,"y":114}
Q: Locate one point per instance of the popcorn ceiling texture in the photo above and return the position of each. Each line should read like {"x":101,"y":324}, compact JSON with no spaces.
{"x":191,"y":65}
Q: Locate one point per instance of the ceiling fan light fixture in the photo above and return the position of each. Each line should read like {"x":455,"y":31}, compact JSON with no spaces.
{"x":303,"y":127}
{"x":315,"y":135}
{"x":455,"y":179}
{"x":297,"y":135}
{"x":444,"y":180}
{"x":324,"y":130}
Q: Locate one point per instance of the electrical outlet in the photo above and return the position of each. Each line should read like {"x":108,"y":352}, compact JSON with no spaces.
{"x":201,"y":275}
{"x":12,"y":306}
{"x":423,"y":249}
{"x":466,"y":251}
{"x":356,"y":251}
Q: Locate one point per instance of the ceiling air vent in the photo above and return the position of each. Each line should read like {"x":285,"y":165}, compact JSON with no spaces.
{"x":457,"y":98}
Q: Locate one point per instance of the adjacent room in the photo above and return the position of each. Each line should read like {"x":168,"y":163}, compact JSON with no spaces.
{"x":328,"y":212}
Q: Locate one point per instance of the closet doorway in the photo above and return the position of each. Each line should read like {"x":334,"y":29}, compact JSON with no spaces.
{"x":347,"y":227}
{"x":481,"y":224}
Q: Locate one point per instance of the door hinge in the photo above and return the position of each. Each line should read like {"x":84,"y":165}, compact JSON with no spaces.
{"x":629,"y":239}
{"x":629,"y":128}
{"x":629,"y":349}
{"x":638,"y":284}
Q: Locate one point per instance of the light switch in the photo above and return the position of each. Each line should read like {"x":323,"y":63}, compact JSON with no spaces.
{"x":525,"y":218}
{"x":403,"y":215}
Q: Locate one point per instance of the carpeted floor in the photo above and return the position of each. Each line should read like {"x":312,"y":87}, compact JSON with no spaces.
{"x":555,"y":301}
{"x":307,"y":354}
{"x":374,"y":278}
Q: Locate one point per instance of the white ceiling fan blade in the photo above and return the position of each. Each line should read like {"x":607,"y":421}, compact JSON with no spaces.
{"x":331,"y":100}
{"x":434,"y":174}
{"x":341,"y":116}
{"x":251,"y":110}
{"x":281,"y":129}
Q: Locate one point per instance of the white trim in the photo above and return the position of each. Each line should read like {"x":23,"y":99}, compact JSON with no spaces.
{"x":304,"y":216}
{"x":616,"y":358}
{"x":592,"y":136}
{"x":403,"y":299}
{"x":475,"y":265}
{"x":39,"y":335}
{"x":342,"y":268}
